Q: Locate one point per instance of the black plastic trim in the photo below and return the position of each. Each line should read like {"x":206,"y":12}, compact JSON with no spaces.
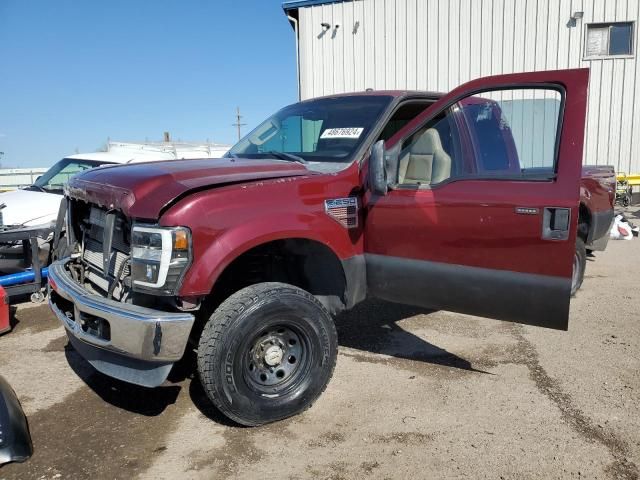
{"x":539,"y":300}
{"x":355,"y":272}
{"x":600,"y":223}
{"x":127,"y":369}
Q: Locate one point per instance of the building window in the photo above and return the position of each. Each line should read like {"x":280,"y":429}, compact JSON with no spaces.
{"x":609,"y":40}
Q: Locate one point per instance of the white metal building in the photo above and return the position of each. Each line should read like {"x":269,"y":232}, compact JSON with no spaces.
{"x":351,"y":45}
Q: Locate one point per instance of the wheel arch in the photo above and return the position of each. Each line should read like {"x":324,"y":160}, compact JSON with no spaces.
{"x":584,"y":222}
{"x":301,"y":260}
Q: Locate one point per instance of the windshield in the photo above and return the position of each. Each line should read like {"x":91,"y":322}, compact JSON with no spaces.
{"x":54,"y":179}
{"x":328,"y":130}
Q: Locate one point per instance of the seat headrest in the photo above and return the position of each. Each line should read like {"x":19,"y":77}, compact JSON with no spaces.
{"x":428,"y":143}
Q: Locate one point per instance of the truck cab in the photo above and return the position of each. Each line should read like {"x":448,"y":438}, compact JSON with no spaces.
{"x":467,"y":201}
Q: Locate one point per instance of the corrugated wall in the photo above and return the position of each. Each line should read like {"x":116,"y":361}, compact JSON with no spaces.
{"x":439,"y":44}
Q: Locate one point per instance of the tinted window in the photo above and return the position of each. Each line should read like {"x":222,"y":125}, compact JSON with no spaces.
{"x":484,"y":119}
{"x":620,"y":39}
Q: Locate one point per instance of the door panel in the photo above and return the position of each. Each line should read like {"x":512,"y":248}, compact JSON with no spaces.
{"x":480,"y":225}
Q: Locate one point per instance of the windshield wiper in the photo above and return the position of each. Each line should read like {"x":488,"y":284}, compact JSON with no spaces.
{"x":37,"y":188}
{"x":286,"y":156}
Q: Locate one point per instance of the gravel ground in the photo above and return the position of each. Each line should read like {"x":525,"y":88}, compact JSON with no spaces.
{"x":415,"y":394}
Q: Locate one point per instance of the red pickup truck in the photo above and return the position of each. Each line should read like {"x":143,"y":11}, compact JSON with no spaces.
{"x":597,"y":198}
{"x":467,"y":201}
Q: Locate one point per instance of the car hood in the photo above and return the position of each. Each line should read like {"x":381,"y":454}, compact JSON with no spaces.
{"x":144,"y":190}
{"x":29,"y":208}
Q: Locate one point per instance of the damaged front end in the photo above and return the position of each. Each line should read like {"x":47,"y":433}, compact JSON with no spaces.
{"x":113,"y":288}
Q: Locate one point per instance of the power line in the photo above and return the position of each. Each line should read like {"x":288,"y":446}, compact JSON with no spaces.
{"x":238,"y":124}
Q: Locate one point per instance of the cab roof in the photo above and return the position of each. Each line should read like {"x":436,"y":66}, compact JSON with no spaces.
{"x":387,"y":93}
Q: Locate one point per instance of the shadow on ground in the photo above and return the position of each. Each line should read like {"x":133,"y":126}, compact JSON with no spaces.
{"x":371,"y":326}
{"x":149,"y":402}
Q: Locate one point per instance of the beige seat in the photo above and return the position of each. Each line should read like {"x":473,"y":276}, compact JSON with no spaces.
{"x":425,"y":161}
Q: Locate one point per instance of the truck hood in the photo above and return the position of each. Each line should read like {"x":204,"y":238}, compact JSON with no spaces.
{"x":28,"y":208}
{"x":143,"y":190}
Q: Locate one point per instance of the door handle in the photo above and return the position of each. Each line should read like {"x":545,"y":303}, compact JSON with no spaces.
{"x":555,"y":223}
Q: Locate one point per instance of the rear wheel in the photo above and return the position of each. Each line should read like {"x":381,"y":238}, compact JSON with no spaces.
{"x":579,"y":265}
{"x":267,"y":353}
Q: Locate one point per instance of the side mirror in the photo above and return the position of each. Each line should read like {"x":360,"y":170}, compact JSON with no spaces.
{"x":15,"y":440}
{"x":377,"y":170}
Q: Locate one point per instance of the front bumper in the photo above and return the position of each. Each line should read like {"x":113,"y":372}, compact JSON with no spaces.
{"x":141,"y":344}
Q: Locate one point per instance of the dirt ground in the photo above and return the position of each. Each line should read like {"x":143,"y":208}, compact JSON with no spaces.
{"x":415,"y":394}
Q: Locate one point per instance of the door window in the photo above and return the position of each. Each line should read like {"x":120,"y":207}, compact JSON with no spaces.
{"x":497,"y":134}
{"x":402,"y":116}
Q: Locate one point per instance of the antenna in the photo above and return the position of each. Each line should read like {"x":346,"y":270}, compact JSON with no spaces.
{"x":238,"y":124}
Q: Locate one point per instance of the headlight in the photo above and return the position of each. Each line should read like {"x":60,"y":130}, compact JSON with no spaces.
{"x":159,"y":258}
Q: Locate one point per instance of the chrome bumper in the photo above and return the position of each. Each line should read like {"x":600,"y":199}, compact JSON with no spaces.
{"x":135,"y":332}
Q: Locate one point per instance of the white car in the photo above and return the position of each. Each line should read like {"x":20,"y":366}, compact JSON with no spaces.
{"x":38,"y":204}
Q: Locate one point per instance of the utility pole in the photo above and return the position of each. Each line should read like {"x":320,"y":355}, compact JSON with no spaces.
{"x":238,"y":124}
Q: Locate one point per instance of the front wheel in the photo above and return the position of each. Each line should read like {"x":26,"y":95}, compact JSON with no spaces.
{"x":579,"y":265}
{"x":267,"y":353}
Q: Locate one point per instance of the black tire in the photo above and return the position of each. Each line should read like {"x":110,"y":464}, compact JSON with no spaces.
{"x":579,"y":266}
{"x":267,"y":353}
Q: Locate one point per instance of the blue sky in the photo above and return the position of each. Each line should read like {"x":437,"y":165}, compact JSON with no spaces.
{"x":73,"y":73}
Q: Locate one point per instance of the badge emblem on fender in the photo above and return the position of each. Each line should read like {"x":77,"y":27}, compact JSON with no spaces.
{"x":343,"y":210}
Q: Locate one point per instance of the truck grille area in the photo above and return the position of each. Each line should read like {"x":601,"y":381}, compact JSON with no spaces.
{"x":115,"y":272}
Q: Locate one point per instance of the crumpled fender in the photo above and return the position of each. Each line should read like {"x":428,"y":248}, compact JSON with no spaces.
{"x":15,"y":439}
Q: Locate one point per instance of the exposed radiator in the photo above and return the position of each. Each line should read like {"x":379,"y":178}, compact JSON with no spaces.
{"x":93,"y":251}
{"x":93,"y":256}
